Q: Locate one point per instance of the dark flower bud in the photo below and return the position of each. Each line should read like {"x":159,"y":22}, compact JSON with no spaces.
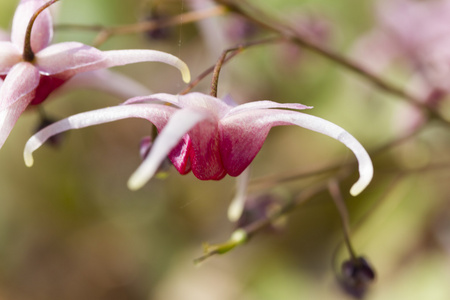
{"x":160,"y":33}
{"x":356,"y":276}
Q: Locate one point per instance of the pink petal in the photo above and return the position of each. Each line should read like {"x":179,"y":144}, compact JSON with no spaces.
{"x":106,"y":81}
{"x":16,"y":93}
{"x":242,"y":136}
{"x":264,"y":105}
{"x":161,"y":98}
{"x":212,"y":105}
{"x":125,"y":57}
{"x":180,"y":123}
{"x":157,"y":114}
{"x":180,"y":155}
{"x":42,"y":31}
{"x":206,"y":162}
{"x":4,"y":36}
{"x":69,"y":58}
{"x":9,"y":56}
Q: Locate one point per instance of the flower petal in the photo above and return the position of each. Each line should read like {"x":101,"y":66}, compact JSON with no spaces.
{"x":4,"y":36}
{"x":162,"y":98}
{"x":9,"y":56}
{"x":42,"y":31}
{"x":157,"y":114}
{"x":237,"y":204}
{"x":242,"y":136}
{"x":106,"y":81}
{"x":16,"y":92}
{"x":68,"y":59}
{"x":265,"y":104}
{"x":125,"y":57}
{"x":180,"y":123}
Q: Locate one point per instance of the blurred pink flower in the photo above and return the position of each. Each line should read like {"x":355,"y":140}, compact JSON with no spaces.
{"x":32,"y":69}
{"x":205,"y":135}
{"x":414,"y":32}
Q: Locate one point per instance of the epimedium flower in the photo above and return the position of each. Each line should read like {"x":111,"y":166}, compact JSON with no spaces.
{"x":31,"y":68}
{"x":206,"y":135}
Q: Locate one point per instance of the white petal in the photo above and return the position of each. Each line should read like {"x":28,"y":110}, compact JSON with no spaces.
{"x":179,"y":124}
{"x":155,"y":113}
{"x":237,"y":204}
{"x":265,"y":104}
{"x":251,"y":124}
{"x":9,"y":56}
{"x":326,"y":127}
{"x":124,"y":57}
{"x":162,"y":98}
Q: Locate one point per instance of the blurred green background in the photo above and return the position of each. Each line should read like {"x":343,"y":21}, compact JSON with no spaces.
{"x":70,"y":228}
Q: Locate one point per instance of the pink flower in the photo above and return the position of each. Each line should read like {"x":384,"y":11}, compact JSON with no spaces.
{"x":205,"y":135}
{"x":415,"y":32}
{"x":32,"y":69}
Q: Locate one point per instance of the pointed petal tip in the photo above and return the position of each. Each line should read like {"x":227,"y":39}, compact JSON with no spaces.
{"x":135,"y":183}
{"x":185,"y":73}
{"x":28,"y":158}
{"x":235,"y":210}
{"x":364,"y":180}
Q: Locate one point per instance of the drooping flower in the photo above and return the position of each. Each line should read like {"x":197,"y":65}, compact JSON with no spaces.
{"x":32,"y":68}
{"x":205,"y":135}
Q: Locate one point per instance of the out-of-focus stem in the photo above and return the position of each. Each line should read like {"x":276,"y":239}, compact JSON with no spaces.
{"x":271,"y":24}
{"x":107,"y":32}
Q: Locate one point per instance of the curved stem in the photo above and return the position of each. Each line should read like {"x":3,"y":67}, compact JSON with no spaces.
{"x":28,"y":54}
{"x":184,"y":18}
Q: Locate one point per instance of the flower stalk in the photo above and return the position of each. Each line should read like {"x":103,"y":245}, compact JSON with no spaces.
{"x":28,"y":54}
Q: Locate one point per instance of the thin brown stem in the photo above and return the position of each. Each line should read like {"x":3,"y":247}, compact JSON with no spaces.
{"x":226,"y":56}
{"x":185,"y":18}
{"x":28,"y":54}
{"x":336,"y":195}
{"x":290,"y":34}
{"x":205,"y":73}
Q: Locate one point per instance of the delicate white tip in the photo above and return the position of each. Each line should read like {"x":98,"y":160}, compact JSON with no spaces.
{"x":236,"y":208}
{"x":185,"y":73}
{"x":135,"y":183}
{"x":28,"y":157}
{"x":366,"y":171}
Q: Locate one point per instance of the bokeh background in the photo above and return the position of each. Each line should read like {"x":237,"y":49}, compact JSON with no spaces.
{"x":70,"y":228}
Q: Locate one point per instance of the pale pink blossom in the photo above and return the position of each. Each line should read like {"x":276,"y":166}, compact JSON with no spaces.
{"x":205,"y":135}
{"x":31,"y":68}
{"x":414,"y":35}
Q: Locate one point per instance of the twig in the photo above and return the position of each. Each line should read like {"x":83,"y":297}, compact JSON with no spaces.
{"x":289,"y":33}
{"x":336,"y":195}
{"x":107,"y":32}
{"x":226,"y":56}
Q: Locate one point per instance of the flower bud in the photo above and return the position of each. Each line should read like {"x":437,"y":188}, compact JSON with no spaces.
{"x":357,"y":275}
